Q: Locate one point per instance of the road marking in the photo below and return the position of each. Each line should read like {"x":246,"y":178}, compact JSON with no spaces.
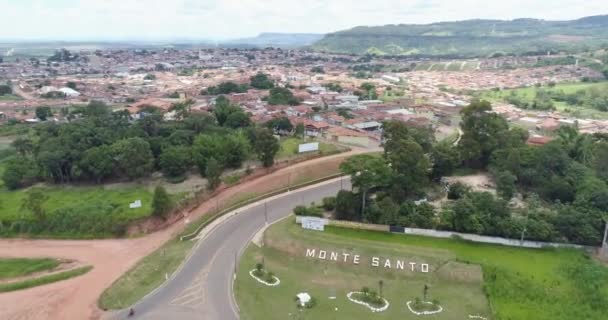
{"x":194,"y":295}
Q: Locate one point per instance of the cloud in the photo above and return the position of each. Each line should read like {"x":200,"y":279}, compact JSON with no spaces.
{"x":128,"y":19}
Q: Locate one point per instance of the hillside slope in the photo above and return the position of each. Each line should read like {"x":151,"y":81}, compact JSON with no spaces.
{"x":472,"y":37}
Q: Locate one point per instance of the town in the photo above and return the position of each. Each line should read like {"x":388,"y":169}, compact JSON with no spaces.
{"x":342,"y":98}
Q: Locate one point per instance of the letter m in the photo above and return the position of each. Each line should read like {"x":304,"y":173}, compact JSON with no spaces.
{"x":310,"y":253}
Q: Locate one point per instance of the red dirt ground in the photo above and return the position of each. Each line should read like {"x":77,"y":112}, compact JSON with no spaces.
{"x":77,"y":298}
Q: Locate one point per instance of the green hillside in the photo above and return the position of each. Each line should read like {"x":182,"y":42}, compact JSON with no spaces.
{"x":472,"y":37}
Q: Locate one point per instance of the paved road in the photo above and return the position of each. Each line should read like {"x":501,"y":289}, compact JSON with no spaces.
{"x":203,"y":288}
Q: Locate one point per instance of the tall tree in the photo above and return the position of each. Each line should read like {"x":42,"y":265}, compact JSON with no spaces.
{"x":483,"y":132}
{"x":133,"y":157}
{"x":161,"y":202}
{"x":266,"y":146}
{"x":213,"y":173}
{"x":34,"y":202}
{"x":366,"y":172}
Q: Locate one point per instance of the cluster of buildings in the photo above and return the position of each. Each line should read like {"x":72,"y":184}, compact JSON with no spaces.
{"x":334,"y":104}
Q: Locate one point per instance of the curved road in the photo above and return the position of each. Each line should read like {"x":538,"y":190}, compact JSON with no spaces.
{"x":202,"y":288}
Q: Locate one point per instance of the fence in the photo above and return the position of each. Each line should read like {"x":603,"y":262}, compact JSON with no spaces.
{"x":450,"y":234}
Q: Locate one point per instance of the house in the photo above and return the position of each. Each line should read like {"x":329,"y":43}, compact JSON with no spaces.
{"x":314,"y":128}
{"x":368,"y":126}
{"x":537,"y":140}
{"x":347,"y":136}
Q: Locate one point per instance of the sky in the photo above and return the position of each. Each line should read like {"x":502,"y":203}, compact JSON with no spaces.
{"x":223,"y":19}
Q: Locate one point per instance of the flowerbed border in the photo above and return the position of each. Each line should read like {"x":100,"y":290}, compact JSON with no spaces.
{"x":374,"y":309}
{"x":264,"y":282}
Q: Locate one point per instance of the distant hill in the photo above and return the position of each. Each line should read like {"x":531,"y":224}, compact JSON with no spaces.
{"x":281,"y":40}
{"x":472,"y":37}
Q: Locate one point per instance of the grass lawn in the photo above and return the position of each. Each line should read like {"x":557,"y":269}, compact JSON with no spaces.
{"x":529,"y":93}
{"x":519,"y":283}
{"x":12,"y":268}
{"x":29,"y":283}
{"x":289,"y":147}
{"x":457,"y":286}
{"x":10,"y":97}
{"x":147,"y":275}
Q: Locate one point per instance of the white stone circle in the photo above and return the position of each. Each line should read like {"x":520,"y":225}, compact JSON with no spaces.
{"x":374,"y":309}
{"x":423,"y":313}
{"x":276,"y":283}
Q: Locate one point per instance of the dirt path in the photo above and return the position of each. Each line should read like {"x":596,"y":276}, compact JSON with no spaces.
{"x":77,"y":298}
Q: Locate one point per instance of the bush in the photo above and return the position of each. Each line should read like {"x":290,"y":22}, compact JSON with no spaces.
{"x":329,"y":203}
{"x":458,"y":190}
{"x":312,"y":211}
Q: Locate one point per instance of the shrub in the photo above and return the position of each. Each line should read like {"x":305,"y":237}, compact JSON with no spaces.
{"x":458,"y":190}
{"x":329,"y":203}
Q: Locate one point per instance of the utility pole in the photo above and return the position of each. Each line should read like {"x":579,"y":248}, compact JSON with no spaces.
{"x":288,"y":181}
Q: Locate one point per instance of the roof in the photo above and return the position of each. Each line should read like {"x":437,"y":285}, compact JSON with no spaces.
{"x":539,"y":140}
{"x":339,"y":131}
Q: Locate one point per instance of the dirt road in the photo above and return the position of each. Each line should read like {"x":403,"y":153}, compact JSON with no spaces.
{"x":77,"y":298}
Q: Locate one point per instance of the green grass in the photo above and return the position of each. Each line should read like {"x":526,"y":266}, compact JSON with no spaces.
{"x":10,"y":97}
{"x":519,"y":283}
{"x":18,"y":267}
{"x":529,"y":93}
{"x":289,"y":147}
{"x":148,"y":274}
{"x":78,"y":197}
{"x":460,"y":292}
{"x":14,"y":286}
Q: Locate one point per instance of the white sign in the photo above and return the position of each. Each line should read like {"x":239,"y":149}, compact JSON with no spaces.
{"x":308,"y":147}
{"x":376,"y":262}
{"x":135,"y":205}
{"x":313,"y":223}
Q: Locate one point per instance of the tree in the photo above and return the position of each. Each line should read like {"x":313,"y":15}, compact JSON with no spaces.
{"x":299,"y":131}
{"x":213,"y":173}
{"x":266,"y":146}
{"x":367,"y":172}
{"x":410,"y":166}
{"x":445,"y":159}
{"x":458,"y":190}
{"x":238,"y":119}
{"x":505,"y":184}
{"x":317,"y":69}
{"x":23,"y":145}
{"x":282,"y":96}
{"x":223,"y":109}
{"x":34,"y":202}
{"x":98,"y":163}
{"x":5,"y":90}
{"x":262,"y":81}
{"x":97,"y":109}
{"x":370,"y":91}
{"x":175,"y":161}
{"x":229,"y":150}
{"x":161,"y":202}
{"x":19,"y":171}
{"x":600,"y":160}
{"x":280,"y":125}
{"x":347,"y":206}
{"x":71,"y":84}
{"x":483,"y":132}
{"x":133,"y":157}
{"x":182,"y":109}
{"x":43,"y":113}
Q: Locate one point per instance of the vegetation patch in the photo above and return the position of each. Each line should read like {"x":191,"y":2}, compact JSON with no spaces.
{"x":14,"y":286}
{"x":368,"y":298}
{"x":264,"y":276}
{"x":19,"y":267}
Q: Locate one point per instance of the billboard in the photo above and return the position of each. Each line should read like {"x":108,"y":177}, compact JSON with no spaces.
{"x":314,"y":223}
{"x":308,"y":147}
